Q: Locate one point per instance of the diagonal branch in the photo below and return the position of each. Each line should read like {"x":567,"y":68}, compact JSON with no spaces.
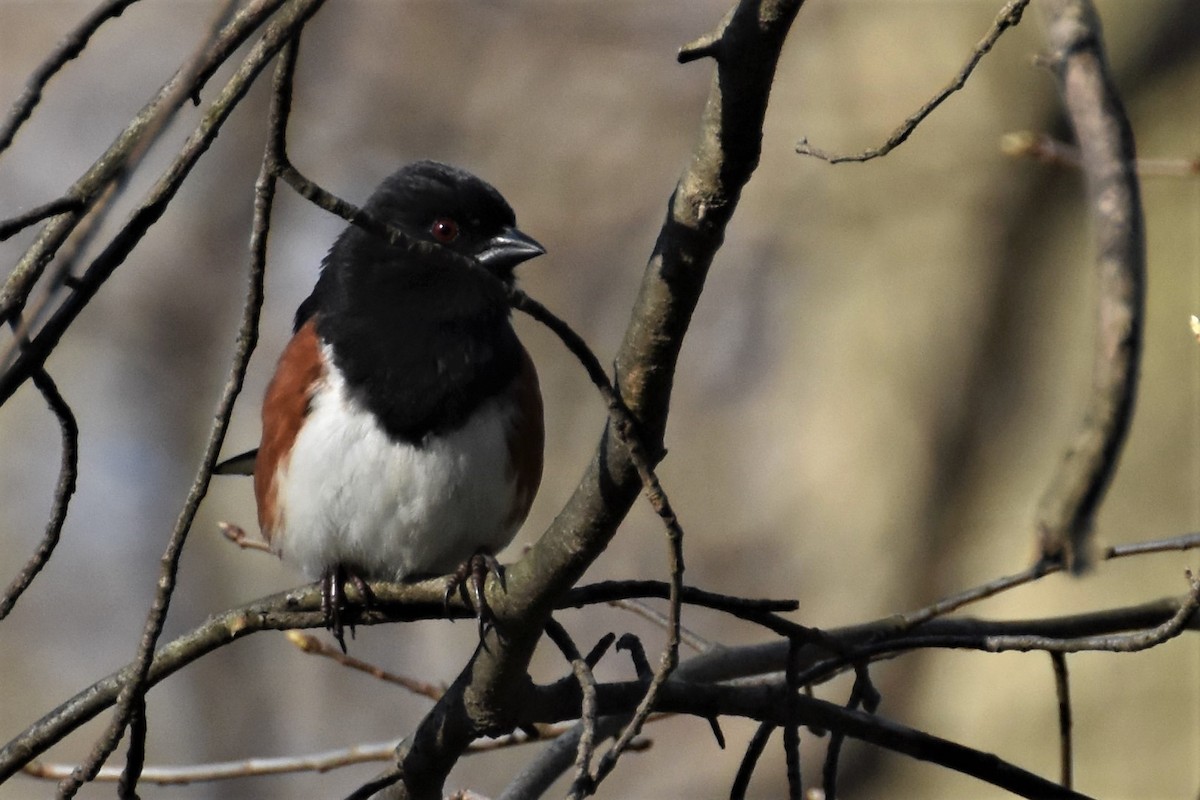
{"x":93,"y":212}
{"x":112,"y":164}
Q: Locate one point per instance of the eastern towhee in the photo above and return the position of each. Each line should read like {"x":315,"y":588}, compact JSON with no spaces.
{"x":402,"y":432}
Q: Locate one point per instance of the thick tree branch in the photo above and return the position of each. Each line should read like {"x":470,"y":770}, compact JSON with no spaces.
{"x":484,"y":697}
{"x":1107,"y":157}
{"x":301,"y":608}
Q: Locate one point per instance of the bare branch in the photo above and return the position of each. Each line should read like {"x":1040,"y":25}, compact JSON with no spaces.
{"x":862,"y":695}
{"x":1115,"y":643}
{"x":754,"y":749}
{"x":109,"y":168}
{"x":314,"y":646}
{"x":583,"y":783}
{"x":68,"y":473}
{"x":301,"y":608}
{"x":14,"y":225}
{"x":1044,"y":148}
{"x":88,"y":216}
{"x":769,"y":703}
{"x":1066,"y":509}
{"x":688,"y":637}
{"x":278,"y":34}
{"x":1039,"y":570}
{"x":71,"y":46}
{"x":1188,"y":541}
{"x":1062,"y":690}
{"x":1009,"y":17}
{"x":163,"y":775}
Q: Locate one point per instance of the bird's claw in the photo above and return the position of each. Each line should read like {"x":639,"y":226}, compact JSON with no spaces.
{"x":469,"y":580}
{"x":334,"y":600}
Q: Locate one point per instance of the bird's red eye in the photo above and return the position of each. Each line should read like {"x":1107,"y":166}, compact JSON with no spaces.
{"x":444,"y":230}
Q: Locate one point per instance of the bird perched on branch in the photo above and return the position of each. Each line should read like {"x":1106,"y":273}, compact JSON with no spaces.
{"x":402,"y":432}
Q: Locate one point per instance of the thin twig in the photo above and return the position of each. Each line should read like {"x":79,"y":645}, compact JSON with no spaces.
{"x":89,"y":212}
{"x":278,"y":35}
{"x":612,"y":591}
{"x":13,"y":225}
{"x":625,"y":426}
{"x":163,"y":775}
{"x":1076,"y":490}
{"x":314,"y":646}
{"x":135,"y":756}
{"x":68,"y":48}
{"x":976,"y":593}
{"x":237,"y":534}
{"x":1044,"y":148}
{"x":582,"y":784}
{"x":863,"y":694}
{"x":96,"y":184}
{"x":1062,"y":690}
{"x":637,"y":654}
{"x":791,"y":728}
{"x":1009,"y":17}
{"x":68,"y":474}
{"x":686,"y":636}
{"x":754,"y":749}
{"x":1188,"y":541}
{"x":1113,"y":643}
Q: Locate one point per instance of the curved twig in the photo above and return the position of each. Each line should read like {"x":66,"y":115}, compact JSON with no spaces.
{"x":67,"y":475}
{"x":68,"y":48}
{"x":1008,"y":17}
{"x":754,"y":749}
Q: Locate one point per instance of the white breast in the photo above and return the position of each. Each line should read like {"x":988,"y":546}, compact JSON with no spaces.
{"x":350,"y":495}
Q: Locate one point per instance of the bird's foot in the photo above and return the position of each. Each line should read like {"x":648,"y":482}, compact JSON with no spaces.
{"x":469,"y":580}
{"x":334,"y":601}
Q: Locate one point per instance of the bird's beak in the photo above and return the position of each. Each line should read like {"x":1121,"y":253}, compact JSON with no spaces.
{"x":507,"y":249}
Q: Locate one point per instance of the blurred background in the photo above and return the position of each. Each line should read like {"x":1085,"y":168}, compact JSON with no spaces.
{"x":884,"y":370}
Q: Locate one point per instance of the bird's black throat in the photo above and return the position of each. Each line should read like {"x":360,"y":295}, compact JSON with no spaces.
{"x":421,"y":346}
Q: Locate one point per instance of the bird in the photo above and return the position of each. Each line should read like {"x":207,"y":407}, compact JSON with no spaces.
{"x":402,"y":431}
